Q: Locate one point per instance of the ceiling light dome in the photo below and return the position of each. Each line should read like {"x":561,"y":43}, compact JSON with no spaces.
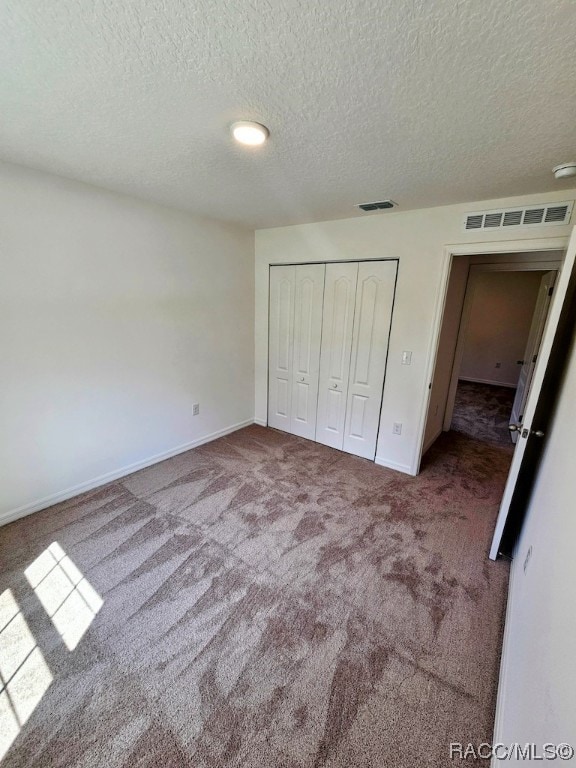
{"x":249,"y":133}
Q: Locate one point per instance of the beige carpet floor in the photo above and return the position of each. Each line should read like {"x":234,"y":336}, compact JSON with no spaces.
{"x":260,"y":601}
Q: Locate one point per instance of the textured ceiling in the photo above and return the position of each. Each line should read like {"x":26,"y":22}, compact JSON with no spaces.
{"x":424,"y":101}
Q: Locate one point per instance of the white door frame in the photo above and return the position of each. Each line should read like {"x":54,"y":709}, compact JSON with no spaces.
{"x":467,"y":249}
{"x":519,"y":266}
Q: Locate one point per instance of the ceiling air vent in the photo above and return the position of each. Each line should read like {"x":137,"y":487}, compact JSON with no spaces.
{"x":383,"y":205}
{"x":536,"y":215}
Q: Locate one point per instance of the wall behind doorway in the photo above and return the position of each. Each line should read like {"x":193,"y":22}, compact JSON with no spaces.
{"x":498,"y":326}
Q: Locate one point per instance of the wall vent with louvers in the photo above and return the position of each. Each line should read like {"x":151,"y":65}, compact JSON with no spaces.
{"x":535,"y":215}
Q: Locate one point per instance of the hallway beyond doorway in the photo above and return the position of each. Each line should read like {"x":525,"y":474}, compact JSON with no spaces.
{"x":482,"y":411}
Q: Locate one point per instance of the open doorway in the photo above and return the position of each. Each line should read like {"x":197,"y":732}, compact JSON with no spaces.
{"x":520,"y":467}
{"x":505,"y":310}
{"x":494,"y":317}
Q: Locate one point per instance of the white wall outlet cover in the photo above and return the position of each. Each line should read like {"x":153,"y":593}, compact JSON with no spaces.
{"x":397,"y":428}
{"x":406,"y":358}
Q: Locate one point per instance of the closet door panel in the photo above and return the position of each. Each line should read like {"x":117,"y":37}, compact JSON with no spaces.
{"x":358,"y":409}
{"x":373,"y":315}
{"x":281,"y":344}
{"x":309,"y":292}
{"x":337,"y":326}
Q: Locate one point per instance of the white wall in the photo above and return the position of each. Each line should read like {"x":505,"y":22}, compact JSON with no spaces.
{"x":538,"y":678}
{"x":418,"y":239}
{"x":115,"y":316}
{"x":502,"y":306}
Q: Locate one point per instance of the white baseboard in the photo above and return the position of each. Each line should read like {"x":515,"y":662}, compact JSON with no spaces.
{"x":382,"y":462}
{"x":55,"y":498}
{"x":261,"y":422}
{"x":487,"y":381}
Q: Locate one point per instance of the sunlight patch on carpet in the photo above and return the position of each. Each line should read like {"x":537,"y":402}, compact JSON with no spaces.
{"x":24,"y":674}
{"x":67,"y":597}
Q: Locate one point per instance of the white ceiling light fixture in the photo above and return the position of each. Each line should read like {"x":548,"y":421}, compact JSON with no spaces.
{"x":564,"y":170}
{"x":251,"y":134}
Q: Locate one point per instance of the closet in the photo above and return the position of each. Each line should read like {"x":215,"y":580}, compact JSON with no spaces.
{"x":328,"y":345}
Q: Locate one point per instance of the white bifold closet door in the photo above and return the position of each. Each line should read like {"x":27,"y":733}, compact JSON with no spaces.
{"x":281,"y":343}
{"x":372,"y":319}
{"x":328,"y":345}
{"x":296,"y":294}
{"x":308,"y":293}
{"x":337,"y":326}
{"x":358,"y":300}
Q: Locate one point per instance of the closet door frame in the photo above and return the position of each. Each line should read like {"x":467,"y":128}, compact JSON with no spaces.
{"x":334,"y":261}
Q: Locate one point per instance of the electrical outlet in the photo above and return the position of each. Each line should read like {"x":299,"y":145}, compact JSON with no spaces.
{"x":406,"y":358}
{"x":397,"y":428}
{"x":195,"y":409}
{"x":498,"y":365}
